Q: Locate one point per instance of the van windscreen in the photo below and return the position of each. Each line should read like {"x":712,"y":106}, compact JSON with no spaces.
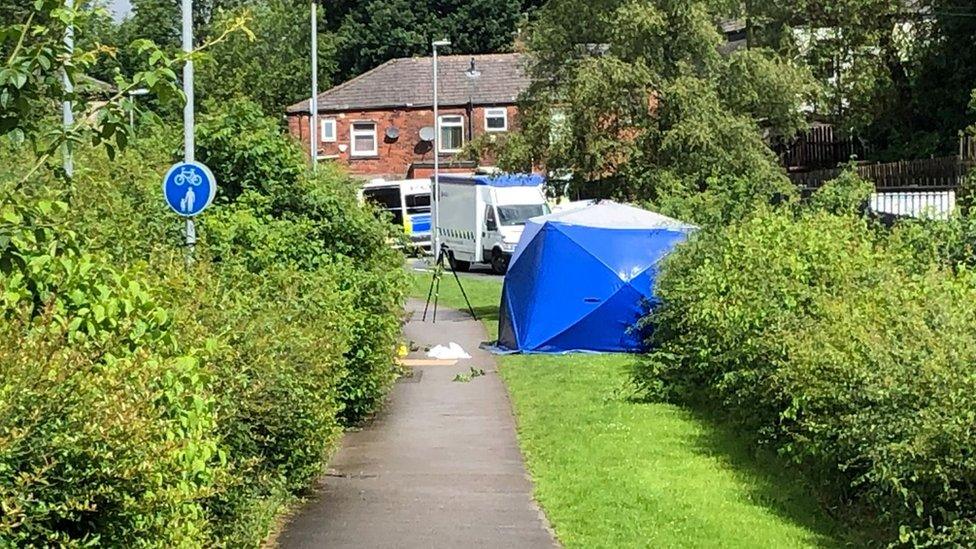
{"x":518,"y":214}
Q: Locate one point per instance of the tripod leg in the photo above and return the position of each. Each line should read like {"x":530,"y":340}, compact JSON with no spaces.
{"x":463,"y":293}
{"x":430,"y":292}
{"x":437,"y":294}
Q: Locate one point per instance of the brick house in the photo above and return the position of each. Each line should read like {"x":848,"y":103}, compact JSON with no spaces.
{"x":372,"y":123}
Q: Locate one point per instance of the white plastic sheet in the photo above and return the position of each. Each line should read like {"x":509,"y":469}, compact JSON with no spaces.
{"x":451,"y":351}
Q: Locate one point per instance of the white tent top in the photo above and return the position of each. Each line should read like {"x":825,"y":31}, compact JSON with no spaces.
{"x":611,"y":215}
{"x":605,"y":214}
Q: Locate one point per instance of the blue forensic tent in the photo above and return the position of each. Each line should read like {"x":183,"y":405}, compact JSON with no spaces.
{"x":578,"y":279}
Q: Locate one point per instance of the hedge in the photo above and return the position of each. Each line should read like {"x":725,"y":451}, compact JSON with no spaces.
{"x":846,"y":350}
{"x":143,"y":403}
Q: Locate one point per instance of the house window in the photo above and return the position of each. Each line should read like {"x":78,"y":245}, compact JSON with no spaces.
{"x":363,"y":138}
{"x":452,"y":134}
{"x":328,"y":130}
{"x":496,"y":120}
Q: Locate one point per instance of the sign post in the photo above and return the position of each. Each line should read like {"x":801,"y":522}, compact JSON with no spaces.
{"x":67,"y":115}
{"x":189,"y":186}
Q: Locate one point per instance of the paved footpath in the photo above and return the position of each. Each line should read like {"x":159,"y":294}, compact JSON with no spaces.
{"x":438,"y":467}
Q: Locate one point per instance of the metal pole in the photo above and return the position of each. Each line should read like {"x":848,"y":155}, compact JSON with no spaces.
{"x":132,"y":108}
{"x":313,"y":105}
{"x":435,"y":194}
{"x":188,"y":142}
{"x":436,"y":244}
{"x":67,"y":116}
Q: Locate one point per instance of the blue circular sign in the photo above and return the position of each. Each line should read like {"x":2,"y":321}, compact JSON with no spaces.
{"x":189,"y":187}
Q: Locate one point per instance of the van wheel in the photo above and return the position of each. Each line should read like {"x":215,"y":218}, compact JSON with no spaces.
{"x":458,"y":265}
{"x":499,"y":262}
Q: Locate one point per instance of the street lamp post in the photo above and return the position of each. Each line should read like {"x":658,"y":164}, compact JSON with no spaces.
{"x":473,"y":75}
{"x":313,"y":104}
{"x":435,"y":194}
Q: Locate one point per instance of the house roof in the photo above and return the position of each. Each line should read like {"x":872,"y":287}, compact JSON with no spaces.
{"x":408,"y":82}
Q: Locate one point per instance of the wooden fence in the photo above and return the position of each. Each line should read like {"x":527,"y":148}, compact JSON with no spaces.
{"x":818,"y":148}
{"x":967,"y":147}
{"x":946,"y":173}
{"x":913,"y":188}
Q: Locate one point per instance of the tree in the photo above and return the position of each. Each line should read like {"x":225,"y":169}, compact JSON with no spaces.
{"x":161,"y":20}
{"x":33,"y":73}
{"x":271,"y":68}
{"x":370,"y":32}
{"x":382,"y":30}
{"x":631,"y":98}
{"x":896,"y":73}
{"x":935,"y":106}
{"x":846,"y":43}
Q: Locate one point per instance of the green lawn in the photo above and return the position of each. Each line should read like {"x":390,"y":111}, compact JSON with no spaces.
{"x":612,"y":472}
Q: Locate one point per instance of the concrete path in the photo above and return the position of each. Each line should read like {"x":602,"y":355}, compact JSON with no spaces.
{"x":439,"y":466}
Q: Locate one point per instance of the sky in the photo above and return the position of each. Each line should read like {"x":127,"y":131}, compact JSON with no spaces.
{"x":120,"y":8}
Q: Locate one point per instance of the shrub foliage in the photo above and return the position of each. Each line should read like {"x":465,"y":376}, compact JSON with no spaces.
{"x":849,"y":352}
{"x":145,"y":403}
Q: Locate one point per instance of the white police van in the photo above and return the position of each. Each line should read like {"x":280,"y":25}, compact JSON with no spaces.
{"x":408,"y":202}
{"x":481,"y":217}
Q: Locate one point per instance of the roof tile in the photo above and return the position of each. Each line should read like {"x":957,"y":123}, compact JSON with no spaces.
{"x":408,"y":82}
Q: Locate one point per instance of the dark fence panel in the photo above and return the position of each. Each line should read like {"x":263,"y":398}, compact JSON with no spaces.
{"x":967,"y":147}
{"x":914,"y":188}
{"x":818,"y":148}
{"x":947,"y":172}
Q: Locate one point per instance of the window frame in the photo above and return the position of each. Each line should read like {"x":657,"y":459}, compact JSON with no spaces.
{"x":330,"y":122}
{"x":353,"y":133}
{"x":496,"y":112}
{"x":440,"y":132}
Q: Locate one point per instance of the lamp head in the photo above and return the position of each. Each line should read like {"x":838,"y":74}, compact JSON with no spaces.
{"x":472,"y":71}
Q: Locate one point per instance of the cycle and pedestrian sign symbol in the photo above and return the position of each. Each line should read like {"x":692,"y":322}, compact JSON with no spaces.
{"x":189,"y":187}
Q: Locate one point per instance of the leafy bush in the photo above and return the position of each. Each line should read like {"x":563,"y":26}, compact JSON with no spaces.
{"x":847,"y":194}
{"x":274,"y":350}
{"x":947,"y":242}
{"x":119,"y":452}
{"x":310,"y":222}
{"x":842,"y":350}
{"x":246,"y":152}
{"x":105,"y":436}
{"x":337,"y":234}
{"x":147,"y":404}
{"x":724,"y":198}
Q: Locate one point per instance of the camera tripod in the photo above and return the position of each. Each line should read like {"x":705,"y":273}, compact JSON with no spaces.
{"x":435,"y":285}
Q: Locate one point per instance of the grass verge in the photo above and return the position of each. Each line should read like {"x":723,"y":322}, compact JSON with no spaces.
{"x":613,"y":472}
